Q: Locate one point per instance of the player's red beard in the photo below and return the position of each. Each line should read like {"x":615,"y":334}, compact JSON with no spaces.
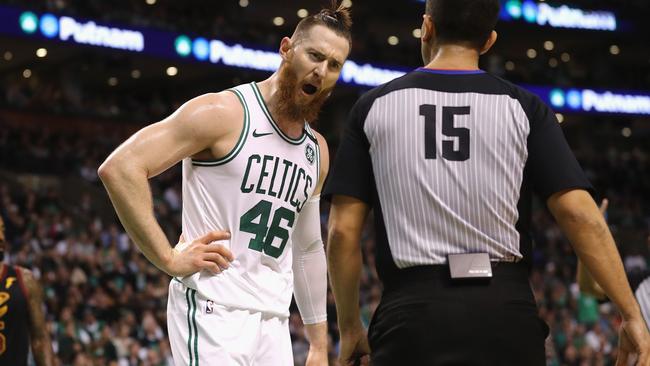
{"x":292,"y":104}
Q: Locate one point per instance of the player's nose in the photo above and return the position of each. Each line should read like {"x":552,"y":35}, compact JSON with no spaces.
{"x":321,"y":70}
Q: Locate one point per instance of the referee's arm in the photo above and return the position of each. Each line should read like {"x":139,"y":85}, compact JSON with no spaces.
{"x":559,"y":180}
{"x":586,"y":281}
{"x":584,"y":225}
{"x":347,"y":216}
{"x":350,"y":188}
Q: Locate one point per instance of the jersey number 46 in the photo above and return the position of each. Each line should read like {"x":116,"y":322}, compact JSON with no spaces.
{"x":256,"y":221}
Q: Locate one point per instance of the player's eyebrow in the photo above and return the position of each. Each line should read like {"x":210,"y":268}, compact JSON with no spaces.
{"x":333,"y":60}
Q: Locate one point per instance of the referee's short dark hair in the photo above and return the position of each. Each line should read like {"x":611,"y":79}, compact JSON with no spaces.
{"x":463,"y":21}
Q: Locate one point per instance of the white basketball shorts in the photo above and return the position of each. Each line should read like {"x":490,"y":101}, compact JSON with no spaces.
{"x":203,"y":333}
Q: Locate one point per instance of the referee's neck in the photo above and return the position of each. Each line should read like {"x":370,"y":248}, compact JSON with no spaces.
{"x":454,"y":57}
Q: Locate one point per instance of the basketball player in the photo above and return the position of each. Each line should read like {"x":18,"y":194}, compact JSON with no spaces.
{"x":21,"y":315}
{"x":252,"y":175}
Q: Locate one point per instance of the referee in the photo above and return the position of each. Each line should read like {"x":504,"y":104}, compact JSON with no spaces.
{"x":448,"y":156}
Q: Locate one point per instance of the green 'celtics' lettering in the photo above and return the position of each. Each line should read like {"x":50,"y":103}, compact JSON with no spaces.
{"x":263,"y":173}
{"x":245,"y":189}
{"x":256,"y":222}
{"x":278,"y":178}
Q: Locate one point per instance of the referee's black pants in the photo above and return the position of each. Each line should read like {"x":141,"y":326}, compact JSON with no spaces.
{"x":426,"y":319}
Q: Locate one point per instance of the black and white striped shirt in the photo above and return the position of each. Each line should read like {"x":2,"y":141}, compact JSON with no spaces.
{"x":448,"y":160}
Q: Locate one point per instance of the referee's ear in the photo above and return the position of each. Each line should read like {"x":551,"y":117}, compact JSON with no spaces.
{"x":489,"y":43}
{"x":428,"y":29}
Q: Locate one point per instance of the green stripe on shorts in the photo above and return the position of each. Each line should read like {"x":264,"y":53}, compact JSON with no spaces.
{"x":189,"y":325}
{"x":196,"y":332}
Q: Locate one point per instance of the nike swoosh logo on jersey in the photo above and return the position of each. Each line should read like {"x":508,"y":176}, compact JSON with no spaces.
{"x":255,"y":134}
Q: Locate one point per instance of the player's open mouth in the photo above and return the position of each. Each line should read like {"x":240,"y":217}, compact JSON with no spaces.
{"x":309,"y":89}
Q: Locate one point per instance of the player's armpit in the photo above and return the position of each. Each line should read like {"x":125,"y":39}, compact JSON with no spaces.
{"x":39,"y":336}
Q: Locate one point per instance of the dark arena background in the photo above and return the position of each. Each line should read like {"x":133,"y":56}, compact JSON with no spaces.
{"x":78,"y":77}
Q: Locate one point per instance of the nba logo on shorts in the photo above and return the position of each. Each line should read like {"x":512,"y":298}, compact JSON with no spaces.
{"x":208,"y":306}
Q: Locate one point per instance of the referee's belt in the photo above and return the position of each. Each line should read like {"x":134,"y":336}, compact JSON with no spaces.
{"x":507,"y":259}
{"x":470,"y":267}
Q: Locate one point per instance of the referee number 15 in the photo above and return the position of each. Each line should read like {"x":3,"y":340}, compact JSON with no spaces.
{"x":448,"y":129}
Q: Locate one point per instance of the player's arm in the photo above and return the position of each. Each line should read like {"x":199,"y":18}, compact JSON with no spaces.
{"x":579,"y":217}
{"x":197,"y":126}
{"x":310,"y":268}
{"x":38,"y":334}
{"x":586,"y":281}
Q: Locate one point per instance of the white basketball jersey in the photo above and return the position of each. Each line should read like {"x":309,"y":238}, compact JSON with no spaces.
{"x":256,"y":192}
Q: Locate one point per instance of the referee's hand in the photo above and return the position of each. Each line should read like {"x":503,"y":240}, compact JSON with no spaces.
{"x":633,"y":339}
{"x":355,"y":350}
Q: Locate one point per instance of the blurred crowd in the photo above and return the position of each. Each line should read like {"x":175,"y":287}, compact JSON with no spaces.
{"x":74,"y":89}
{"x":224,"y":18}
{"x":78,"y":84}
{"x":77,"y":87}
{"x":250,"y":21}
{"x":106,"y":304}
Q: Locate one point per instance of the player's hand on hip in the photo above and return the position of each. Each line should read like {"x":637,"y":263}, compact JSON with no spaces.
{"x":633,"y":339}
{"x":201,"y":254}
{"x":354,"y":347}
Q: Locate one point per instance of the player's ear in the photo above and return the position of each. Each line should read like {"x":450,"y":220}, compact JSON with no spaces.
{"x":489,"y":43}
{"x":286,"y":48}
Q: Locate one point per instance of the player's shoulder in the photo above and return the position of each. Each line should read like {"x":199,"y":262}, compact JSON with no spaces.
{"x":324,"y":150}
{"x":322,"y":144}
{"x":220,"y":103}
{"x":211,"y":115}
{"x":320,"y":140}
